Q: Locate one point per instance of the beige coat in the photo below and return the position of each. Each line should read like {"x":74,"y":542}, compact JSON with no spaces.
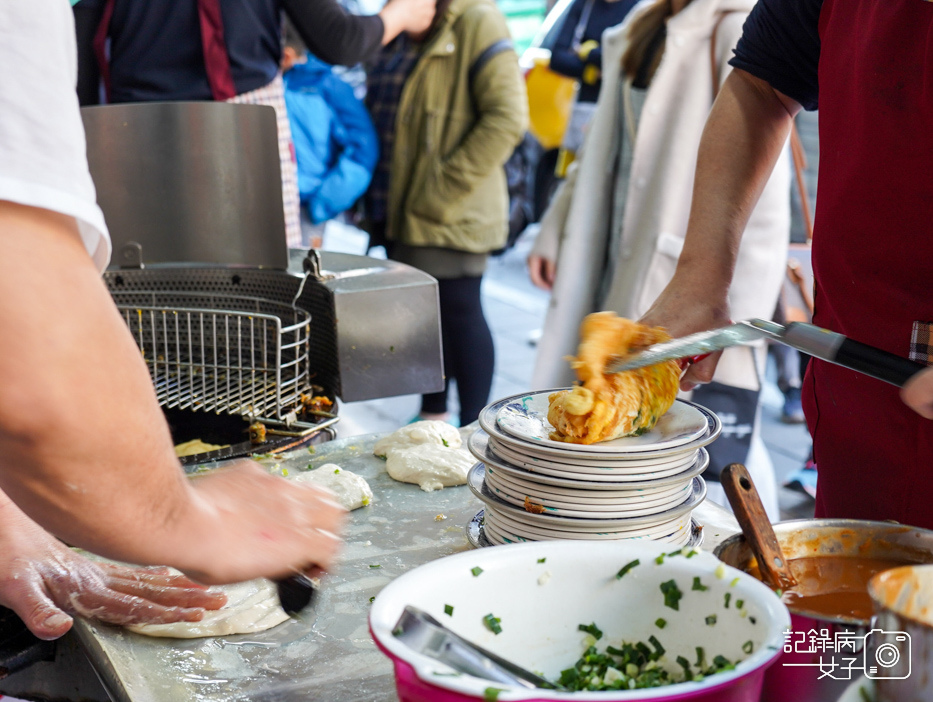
{"x":576,"y":225}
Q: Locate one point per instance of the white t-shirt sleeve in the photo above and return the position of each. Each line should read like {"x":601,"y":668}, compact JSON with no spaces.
{"x":43,"y":156}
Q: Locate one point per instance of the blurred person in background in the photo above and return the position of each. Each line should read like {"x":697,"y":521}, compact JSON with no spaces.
{"x":449,"y":106}
{"x":577,"y":53}
{"x":612,"y":235}
{"x":336,"y":146}
{"x":225,"y":50}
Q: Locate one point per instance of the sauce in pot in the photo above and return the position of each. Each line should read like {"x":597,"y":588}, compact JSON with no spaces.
{"x":832,"y":586}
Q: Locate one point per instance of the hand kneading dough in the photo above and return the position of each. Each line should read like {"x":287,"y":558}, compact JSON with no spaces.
{"x":417,"y":433}
{"x":429,"y":466}
{"x":251,"y":606}
{"x":352,"y":490}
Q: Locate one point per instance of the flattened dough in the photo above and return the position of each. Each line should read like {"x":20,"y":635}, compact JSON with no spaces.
{"x":352,"y":490}
{"x":417,"y":433}
{"x":251,"y":606}
{"x":429,"y":466}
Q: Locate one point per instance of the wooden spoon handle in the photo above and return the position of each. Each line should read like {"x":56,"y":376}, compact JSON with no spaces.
{"x":750,"y":513}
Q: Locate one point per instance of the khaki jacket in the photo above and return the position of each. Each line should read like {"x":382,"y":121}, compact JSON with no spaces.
{"x":452,"y":138}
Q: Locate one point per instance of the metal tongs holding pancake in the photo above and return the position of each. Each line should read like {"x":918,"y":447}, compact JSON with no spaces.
{"x":423,"y":633}
{"x":816,"y":341}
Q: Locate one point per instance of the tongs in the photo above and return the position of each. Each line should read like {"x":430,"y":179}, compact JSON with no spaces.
{"x":423,"y":633}
{"x":815,"y":341}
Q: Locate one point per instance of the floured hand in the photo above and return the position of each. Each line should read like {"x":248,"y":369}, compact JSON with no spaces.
{"x":46,"y":583}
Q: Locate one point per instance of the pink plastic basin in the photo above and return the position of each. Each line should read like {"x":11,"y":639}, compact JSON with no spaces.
{"x":541,"y":604}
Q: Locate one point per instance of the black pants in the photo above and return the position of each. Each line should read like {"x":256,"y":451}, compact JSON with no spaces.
{"x":469,"y":354}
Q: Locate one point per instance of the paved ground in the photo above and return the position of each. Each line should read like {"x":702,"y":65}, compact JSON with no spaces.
{"x":515,"y":309}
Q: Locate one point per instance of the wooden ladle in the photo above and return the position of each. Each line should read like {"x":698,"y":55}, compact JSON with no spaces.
{"x":756,"y":527}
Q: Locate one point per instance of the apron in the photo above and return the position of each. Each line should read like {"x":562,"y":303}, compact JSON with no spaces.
{"x":217,"y":67}
{"x":873,"y":254}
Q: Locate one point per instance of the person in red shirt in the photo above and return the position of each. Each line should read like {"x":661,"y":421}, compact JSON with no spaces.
{"x":865,"y":65}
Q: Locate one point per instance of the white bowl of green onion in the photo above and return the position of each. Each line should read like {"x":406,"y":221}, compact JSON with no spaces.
{"x":630,"y":620}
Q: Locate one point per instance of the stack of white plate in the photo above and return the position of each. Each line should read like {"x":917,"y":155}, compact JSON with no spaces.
{"x":535,"y":488}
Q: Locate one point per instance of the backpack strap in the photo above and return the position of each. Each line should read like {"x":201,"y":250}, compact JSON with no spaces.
{"x":488,"y":53}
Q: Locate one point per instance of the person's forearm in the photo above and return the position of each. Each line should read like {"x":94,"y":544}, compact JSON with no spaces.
{"x":84,"y":448}
{"x":744,"y":136}
{"x":85,"y":451}
{"x":334,"y":35}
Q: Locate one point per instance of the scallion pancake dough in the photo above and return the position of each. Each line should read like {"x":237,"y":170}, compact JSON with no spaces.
{"x":251,"y":606}
{"x":427,"y":454}
{"x":429,"y":466}
{"x":417,"y":434}
{"x":352,"y":490}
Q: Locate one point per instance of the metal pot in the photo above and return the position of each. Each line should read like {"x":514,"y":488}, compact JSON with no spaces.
{"x":901,"y":643}
{"x":823,"y":654}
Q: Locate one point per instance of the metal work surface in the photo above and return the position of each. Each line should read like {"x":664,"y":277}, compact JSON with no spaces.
{"x":327,"y":653}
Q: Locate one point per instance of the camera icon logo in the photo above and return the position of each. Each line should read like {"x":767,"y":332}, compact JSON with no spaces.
{"x":887,"y":654}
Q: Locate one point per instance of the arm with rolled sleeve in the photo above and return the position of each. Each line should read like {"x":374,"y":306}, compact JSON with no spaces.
{"x":743,"y":138}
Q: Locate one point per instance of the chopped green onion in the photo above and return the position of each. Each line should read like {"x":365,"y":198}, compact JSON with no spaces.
{"x":336,"y":470}
{"x":726,"y":598}
{"x":722,"y":662}
{"x":660,"y":559}
{"x":375,"y":566}
{"x":492,"y":623}
{"x":491,"y":694}
{"x":660,"y":623}
{"x":735,"y":581}
{"x":697,"y":585}
{"x":591,"y":629}
{"x":753,"y":620}
{"x":672,"y":594}
{"x":720,"y":571}
{"x":371,"y":599}
{"x":748,"y":646}
{"x":675,"y":553}
{"x":542,"y":560}
{"x":657,"y":646}
{"x":448,"y":610}
{"x":711,"y":620}
{"x":476,"y":571}
{"x":627,"y":567}
{"x":685,"y":664}
{"x":444,"y":441}
{"x":691,"y":553}
{"x":701,"y":656}
{"x":739,"y":604}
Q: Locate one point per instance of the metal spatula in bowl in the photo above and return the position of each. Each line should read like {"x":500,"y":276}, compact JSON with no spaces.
{"x":424,"y":634}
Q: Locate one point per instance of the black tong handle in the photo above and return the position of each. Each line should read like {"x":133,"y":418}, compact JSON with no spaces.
{"x":841,"y":350}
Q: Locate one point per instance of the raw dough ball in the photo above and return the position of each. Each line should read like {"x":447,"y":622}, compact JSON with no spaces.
{"x":251,"y":606}
{"x":430,"y":432}
{"x":352,"y":490}
{"x":429,"y":466}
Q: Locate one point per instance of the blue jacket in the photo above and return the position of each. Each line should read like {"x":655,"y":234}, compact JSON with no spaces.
{"x":335,"y":143}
